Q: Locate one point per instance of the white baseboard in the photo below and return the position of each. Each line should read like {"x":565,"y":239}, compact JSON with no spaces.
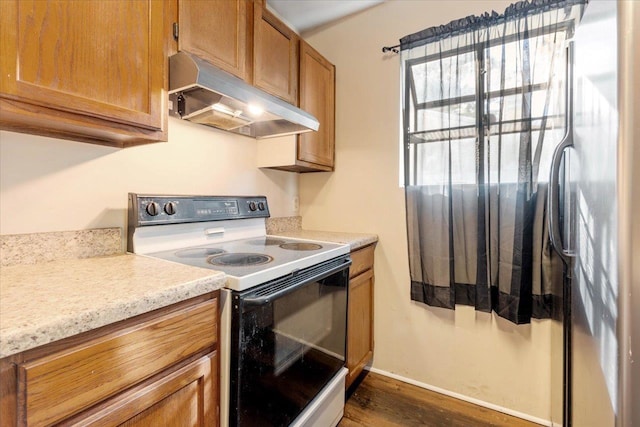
{"x":455,"y":395}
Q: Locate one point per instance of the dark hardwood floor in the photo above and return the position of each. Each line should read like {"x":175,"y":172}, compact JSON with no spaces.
{"x":380,"y":401}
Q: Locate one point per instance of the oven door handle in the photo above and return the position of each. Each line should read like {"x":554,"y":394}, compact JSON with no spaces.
{"x":265,"y":299}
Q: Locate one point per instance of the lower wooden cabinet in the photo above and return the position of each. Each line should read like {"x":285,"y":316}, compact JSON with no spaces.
{"x":360,"y":312}
{"x":160,"y":368}
{"x":179,"y":398}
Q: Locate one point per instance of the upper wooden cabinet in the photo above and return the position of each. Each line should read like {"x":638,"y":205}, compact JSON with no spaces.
{"x":219,"y":32}
{"x":275,"y":55}
{"x":317,"y":96}
{"x":311,"y":151}
{"x":91,"y":71}
{"x":243,"y":38}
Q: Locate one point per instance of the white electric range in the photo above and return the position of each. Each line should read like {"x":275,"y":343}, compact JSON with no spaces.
{"x":283,"y":339}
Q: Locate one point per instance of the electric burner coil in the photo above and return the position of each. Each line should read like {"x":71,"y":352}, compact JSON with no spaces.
{"x":239,"y":259}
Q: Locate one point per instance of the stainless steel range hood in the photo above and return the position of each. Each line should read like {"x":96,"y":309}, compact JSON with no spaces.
{"x":202,"y":93}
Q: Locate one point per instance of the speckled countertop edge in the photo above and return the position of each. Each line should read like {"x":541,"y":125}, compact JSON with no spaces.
{"x":46,"y":302}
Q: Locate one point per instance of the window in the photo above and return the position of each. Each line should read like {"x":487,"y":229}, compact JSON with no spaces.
{"x":483,"y":110}
{"x":465,"y":95}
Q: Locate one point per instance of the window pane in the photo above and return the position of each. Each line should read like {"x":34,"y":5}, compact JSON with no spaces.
{"x":432,"y":162}
{"x":541,"y":51}
{"x":449,"y":116}
{"x":449,"y":77}
{"x":512,"y":106}
{"x":504,"y":155}
{"x":503,"y":158}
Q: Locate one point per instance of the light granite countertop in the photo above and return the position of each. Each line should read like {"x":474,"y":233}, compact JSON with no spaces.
{"x":42,"y":302}
{"x":354,"y":240}
{"x":46,"y":302}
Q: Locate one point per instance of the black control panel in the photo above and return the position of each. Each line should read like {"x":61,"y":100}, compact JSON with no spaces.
{"x":162,"y":209}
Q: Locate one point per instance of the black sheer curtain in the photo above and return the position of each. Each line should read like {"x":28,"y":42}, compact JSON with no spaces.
{"x":483,"y":111}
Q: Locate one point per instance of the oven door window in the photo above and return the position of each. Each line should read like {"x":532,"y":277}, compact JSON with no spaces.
{"x":287,"y":350}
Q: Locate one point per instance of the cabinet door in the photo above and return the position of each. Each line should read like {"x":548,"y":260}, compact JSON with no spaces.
{"x":216,"y":30}
{"x":317,"y":96}
{"x":359,"y":324}
{"x":186,"y":397}
{"x":91,"y":61}
{"x":275,"y":56}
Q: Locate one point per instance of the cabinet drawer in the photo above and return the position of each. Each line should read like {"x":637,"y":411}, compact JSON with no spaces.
{"x":362,"y":260}
{"x":61,"y":384}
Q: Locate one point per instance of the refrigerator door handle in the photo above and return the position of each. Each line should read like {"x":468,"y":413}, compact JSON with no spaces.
{"x":553,"y":194}
{"x":553,"y":199}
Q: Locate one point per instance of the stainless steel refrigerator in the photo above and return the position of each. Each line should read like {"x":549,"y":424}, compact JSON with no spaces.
{"x":596,"y":218}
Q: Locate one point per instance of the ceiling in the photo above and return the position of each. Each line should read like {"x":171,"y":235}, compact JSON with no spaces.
{"x":305,"y":15}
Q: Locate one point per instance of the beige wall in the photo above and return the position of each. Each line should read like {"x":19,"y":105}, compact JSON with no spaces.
{"x":49,"y":184}
{"x":475,"y":354}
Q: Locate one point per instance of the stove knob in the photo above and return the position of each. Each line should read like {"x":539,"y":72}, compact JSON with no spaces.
{"x":252,"y":206}
{"x":261,"y":206}
{"x":153,"y":209}
{"x":170,"y":208}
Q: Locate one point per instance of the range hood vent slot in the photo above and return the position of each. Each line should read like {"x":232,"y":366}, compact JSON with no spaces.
{"x":204,"y":94}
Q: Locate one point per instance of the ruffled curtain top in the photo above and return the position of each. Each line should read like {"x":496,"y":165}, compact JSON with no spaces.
{"x":474,"y":22}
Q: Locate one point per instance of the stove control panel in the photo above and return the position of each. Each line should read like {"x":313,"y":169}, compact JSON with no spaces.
{"x":162,"y":209}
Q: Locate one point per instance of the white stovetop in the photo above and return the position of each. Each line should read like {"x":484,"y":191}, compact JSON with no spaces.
{"x":279,"y":260}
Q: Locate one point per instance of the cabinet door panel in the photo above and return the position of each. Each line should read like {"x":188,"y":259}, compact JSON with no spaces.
{"x":360,"y":324}
{"x":317,"y":96}
{"x":275,"y":56}
{"x":216,"y":31}
{"x":102,"y":59}
{"x":186,"y":397}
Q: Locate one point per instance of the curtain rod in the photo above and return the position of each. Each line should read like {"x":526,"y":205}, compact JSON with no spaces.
{"x":393,"y":49}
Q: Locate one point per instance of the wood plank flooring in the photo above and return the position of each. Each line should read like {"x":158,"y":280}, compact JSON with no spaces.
{"x":380,"y":401}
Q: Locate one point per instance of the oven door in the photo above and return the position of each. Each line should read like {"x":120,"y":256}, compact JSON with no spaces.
{"x":287,"y":343}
